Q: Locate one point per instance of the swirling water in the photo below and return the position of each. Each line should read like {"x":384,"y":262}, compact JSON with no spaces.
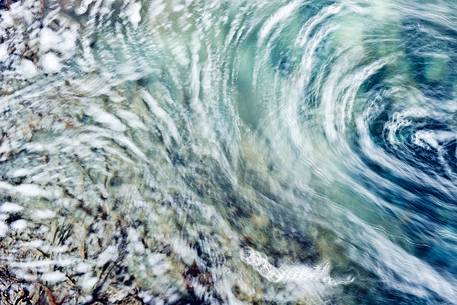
{"x":230,"y":152}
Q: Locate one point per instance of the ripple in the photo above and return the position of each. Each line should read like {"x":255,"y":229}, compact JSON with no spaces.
{"x":229,"y":152}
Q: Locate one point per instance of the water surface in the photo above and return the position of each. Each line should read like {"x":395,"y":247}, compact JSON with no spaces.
{"x":229,"y":152}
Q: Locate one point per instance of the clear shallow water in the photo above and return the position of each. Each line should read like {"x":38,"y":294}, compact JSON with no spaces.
{"x":239,"y":152}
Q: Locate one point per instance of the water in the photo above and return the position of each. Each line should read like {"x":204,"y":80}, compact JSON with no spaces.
{"x":228,"y":152}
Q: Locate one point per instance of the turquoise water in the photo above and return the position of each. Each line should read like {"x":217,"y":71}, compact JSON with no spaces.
{"x":230,"y":152}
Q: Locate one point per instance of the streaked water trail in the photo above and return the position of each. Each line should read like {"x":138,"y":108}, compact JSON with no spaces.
{"x":228,"y":152}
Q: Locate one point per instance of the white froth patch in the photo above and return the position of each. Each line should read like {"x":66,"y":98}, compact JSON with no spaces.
{"x":21,"y":172}
{"x":33,"y":244}
{"x":134,"y":240}
{"x":21,"y":10}
{"x":31,"y":190}
{"x":83,"y":7}
{"x":42,"y":265}
{"x":68,"y":42}
{"x":41,"y":214}
{"x":187,"y":254}
{"x":27,"y":69}
{"x":131,"y":119}
{"x":7,"y":19}
{"x":21,"y":25}
{"x":110,"y":254}
{"x":161,"y":114}
{"x":48,"y":39}
{"x":87,"y":283}
{"x":282,"y":14}
{"x":300,"y":280}
{"x":178,"y":8}
{"x":158,"y":263}
{"x":83,"y":268}
{"x":53,"y":277}
{"x":63,"y":42}
{"x":50,"y":63}
{"x":3,"y":229}
{"x":19,"y":225}
{"x":432,"y":138}
{"x":105,"y":118}
{"x":125,"y":141}
{"x":3,"y":52}
{"x":146,"y":297}
{"x":25,"y":275}
{"x":133,"y":13}
{"x":5,"y":186}
{"x":9,"y":207}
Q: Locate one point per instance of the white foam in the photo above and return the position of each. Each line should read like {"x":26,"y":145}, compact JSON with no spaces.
{"x":88,"y":282}
{"x":110,"y":254}
{"x":301,"y":280}
{"x":5,"y":186}
{"x":106,"y":118}
{"x":187,"y":254}
{"x":51,"y":63}
{"x":131,"y":119}
{"x":9,"y":207}
{"x":27,"y":68}
{"x":133,"y":13}
{"x":83,"y":7}
{"x":432,"y":138}
{"x":68,"y":42}
{"x":20,"y":172}
{"x":53,"y":277}
{"x":282,"y":14}
{"x":3,"y":229}
{"x":64,"y":42}
{"x":161,"y":114}
{"x":41,"y":214}
{"x":83,"y":268}
{"x":33,"y":244}
{"x":31,"y":190}
{"x":158,"y":263}
{"x":134,"y":241}
{"x":7,"y":19}
{"x":48,"y":39}
{"x":21,"y":10}
{"x":34,"y":264}
{"x":3,"y":52}
{"x":19,"y":225}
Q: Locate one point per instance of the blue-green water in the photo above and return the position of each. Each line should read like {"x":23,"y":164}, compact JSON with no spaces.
{"x":230,"y":152}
